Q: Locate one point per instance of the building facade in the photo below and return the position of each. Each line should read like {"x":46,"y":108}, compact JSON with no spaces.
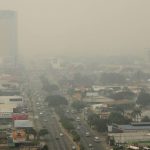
{"x":8,"y":38}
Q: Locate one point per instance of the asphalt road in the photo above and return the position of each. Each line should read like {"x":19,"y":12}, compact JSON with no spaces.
{"x":47,"y":121}
{"x":51,"y":123}
{"x":84,"y":127}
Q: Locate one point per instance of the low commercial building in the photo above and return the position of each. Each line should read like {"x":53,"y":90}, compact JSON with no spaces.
{"x":130,"y":138}
{"x":130,"y":133}
{"x":14,"y":100}
{"x":133,"y":127}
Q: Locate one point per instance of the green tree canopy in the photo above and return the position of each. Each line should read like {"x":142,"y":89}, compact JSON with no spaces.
{"x":101,"y":125}
{"x":78,"y":105}
{"x":47,"y":86}
{"x":45,"y":147}
{"x":43,"y":132}
{"x":136,"y":113}
{"x":123,"y":95}
{"x":116,"y":117}
{"x":76,"y":136}
{"x":56,"y":100}
{"x":145,"y":119}
{"x":143,"y":98}
{"x":93,"y":119}
{"x":66,"y":123}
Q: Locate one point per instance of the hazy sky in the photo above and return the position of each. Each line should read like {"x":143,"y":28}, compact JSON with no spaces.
{"x":69,"y":27}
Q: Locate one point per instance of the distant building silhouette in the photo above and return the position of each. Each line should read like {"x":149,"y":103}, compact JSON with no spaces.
{"x":8,"y":38}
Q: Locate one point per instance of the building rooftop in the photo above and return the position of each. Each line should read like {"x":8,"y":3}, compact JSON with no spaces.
{"x":132,"y":127}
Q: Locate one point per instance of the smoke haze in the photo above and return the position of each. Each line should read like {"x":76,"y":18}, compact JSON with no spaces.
{"x":81,"y":27}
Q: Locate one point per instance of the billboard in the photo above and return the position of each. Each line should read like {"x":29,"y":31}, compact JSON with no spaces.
{"x":18,"y":116}
{"x":19,"y":136}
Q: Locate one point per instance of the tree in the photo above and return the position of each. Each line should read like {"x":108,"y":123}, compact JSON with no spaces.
{"x":43,"y":132}
{"x":45,"y":147}
{"x":116,"y":117}
{"x":101,"y":125}
{"x":78,"y":105}
{"x":145,"y":119}
{"x":47,"y":86}
{"x":136,"y":113}
{"x":70,"y":91}
{"x":76,"y":136}
{"x":66,"y":123}
{"x":93,"y":119}
{"x":56,"y":100}
{"x":120,"y":109}
{"x":143,"y":98}
{"x":123,"y":95}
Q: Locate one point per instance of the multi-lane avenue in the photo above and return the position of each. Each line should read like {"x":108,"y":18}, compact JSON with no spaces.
{"x":58,"y":139}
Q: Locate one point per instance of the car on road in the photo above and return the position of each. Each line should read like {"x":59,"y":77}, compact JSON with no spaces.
{"x":90,"y":146}
{"x":78,"y":119}
{"x":87,"y":134}
{"x":78,"y":127}
{"x":45,"y":120}
{"x":96,"y":139}
{"x":61,"y":134}
{"x":73,"y":147}
{"x":41,"y":113}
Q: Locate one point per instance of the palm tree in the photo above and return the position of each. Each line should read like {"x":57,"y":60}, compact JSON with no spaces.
{"x":136,"y":113}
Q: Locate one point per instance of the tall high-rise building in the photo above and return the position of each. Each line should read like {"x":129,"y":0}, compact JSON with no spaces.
{"x":8,"y":37}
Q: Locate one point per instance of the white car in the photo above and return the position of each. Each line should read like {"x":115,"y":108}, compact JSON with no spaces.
{"x":90,"y":145}
{"x":96,"y":139}
{"x":78,"y":119}
{"x":73,"y":147}
{"x":41,"y":113}
{"x":87,"y":134}
{"x":61,"y":134}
